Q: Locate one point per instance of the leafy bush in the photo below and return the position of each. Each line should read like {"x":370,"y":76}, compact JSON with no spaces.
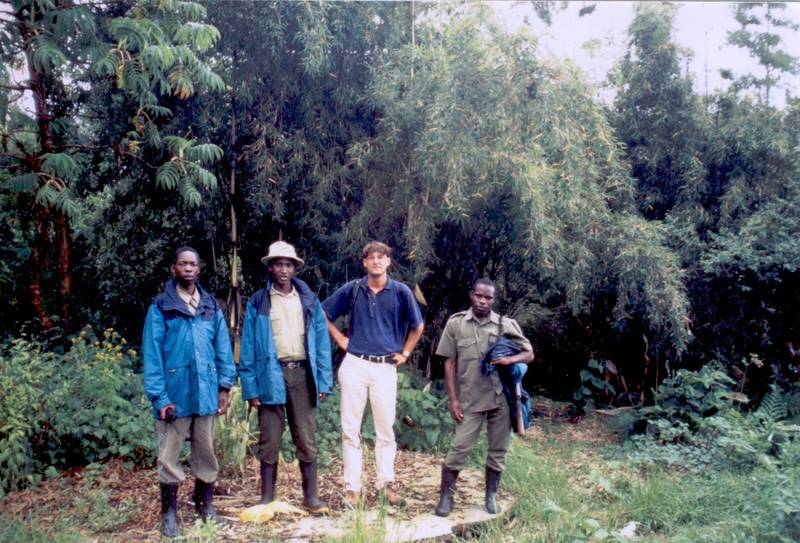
{"x":61,"y":409}
{"x":235,"y":432}
{"x":423,"y":420}
{"x":594,"y":385}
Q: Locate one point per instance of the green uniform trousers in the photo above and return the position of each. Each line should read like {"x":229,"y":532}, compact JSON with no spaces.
{"x":171,"y":437}
{"x":498,"y":433}
{"x":302,"y":416}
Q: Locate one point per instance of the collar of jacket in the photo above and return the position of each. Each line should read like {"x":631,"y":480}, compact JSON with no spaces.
{"x":170,"y":300}
{"x":307,"y":296}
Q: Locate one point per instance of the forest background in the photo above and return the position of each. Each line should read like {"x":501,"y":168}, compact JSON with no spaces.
{"x":630,"y":239}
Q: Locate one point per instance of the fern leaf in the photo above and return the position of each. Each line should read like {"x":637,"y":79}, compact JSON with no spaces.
{"x":772,"y":408}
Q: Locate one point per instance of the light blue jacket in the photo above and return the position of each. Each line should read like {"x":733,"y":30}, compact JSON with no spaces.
{"x":187,"y":359}
{"x":259,"y":370}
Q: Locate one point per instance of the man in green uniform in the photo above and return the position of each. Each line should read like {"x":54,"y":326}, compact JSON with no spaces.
{"x":475,"y":397}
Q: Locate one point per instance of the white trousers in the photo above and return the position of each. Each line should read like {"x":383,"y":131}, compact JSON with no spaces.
{"x":360,"y":380}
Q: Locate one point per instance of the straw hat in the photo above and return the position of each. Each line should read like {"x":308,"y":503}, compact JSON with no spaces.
{"x":281,"y":249}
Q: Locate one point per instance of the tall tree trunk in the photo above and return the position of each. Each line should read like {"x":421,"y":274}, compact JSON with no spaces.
{"x":64,"y":237}
{"x":38,"y":260}
{"x":44,"y":218}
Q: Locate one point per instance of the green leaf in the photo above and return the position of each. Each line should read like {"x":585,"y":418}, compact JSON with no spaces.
{"x":199,"y":35}
{"x":168,"y":175}
{"x":24,"y":183}
{"x":60,"y":165}
{"x":206,"y":153}
{"x":45,"y":54}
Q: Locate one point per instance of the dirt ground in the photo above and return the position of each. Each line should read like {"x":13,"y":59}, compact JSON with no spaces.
{"x":134,"y":493}
{"x":118,"y":502}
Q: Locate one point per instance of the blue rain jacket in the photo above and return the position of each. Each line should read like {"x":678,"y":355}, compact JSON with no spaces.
{"x":259,"y":370}
{"x":187,"y":359}
{"x":510,"y":377}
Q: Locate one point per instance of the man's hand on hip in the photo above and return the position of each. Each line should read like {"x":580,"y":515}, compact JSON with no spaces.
{"x":399,"y":358}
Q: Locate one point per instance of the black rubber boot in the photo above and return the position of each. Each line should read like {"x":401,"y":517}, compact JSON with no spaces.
{"x":169,"y":510}
{"x":269,"y":475}
{"x":446,"y":492}
{"x":492,"y":480}
{"x":310,"y":499}
{"x":204,"y":501}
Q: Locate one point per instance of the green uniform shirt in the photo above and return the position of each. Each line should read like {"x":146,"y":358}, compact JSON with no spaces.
{"x":466,"y":339}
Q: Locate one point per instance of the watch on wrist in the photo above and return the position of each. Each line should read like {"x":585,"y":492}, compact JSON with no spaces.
{"x":406,"y":354}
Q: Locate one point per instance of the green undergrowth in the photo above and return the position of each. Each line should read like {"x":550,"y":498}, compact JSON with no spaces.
{"x":570,"y":490}
{"x":574,"y":487}
{"x":570,"y":483}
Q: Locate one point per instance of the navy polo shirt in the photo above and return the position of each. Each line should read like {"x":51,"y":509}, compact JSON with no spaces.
{"x":378,"y":321}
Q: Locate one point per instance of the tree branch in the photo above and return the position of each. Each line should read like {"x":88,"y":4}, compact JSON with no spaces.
{"x":19,"y":88}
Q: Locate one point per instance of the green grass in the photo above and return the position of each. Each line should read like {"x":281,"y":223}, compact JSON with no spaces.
{"x":569,"y":487}
{"x":13,"y":530}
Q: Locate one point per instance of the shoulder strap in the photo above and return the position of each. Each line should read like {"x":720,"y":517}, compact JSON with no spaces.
{"x":353,"y":296}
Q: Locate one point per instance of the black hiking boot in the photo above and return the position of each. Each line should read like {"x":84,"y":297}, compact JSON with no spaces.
{"x":446,"y":492}
{"x":492,"y":480}
{"x":204,"y":501}
{"x":169,"y":510}
{"x":310,"y":499}
{"x":269,"y":475}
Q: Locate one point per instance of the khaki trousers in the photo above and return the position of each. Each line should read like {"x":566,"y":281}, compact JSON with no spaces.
{"x":301,"y":413}
{"x":361,"y":380}
{"x":498,"y":434}
{"x":171,"y":436}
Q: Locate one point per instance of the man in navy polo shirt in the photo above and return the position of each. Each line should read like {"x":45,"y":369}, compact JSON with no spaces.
{"x":381,"y":309}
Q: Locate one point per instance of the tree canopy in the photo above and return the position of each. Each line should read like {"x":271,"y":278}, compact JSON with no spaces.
{"x":649,"y":233}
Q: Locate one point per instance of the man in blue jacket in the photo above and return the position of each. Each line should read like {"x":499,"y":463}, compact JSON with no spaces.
{"x":188,"y":370}
{"x":285,"y":368}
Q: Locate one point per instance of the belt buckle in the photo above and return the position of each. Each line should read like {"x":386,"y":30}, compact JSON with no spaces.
{"x":378,"y":358}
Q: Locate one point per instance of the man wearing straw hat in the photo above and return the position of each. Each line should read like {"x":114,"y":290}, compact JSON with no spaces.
{"x":285,"y":369}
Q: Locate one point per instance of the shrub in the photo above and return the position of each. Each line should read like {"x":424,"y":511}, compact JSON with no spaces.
{"x":61,"y":409}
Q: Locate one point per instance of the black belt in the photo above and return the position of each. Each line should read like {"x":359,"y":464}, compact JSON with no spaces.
{"x":377,"y":358}
{"x":291,"y":364}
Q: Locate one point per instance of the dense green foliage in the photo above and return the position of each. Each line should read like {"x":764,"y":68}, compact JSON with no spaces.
{"x":651,"y":234}
{"x":70,"y":406}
